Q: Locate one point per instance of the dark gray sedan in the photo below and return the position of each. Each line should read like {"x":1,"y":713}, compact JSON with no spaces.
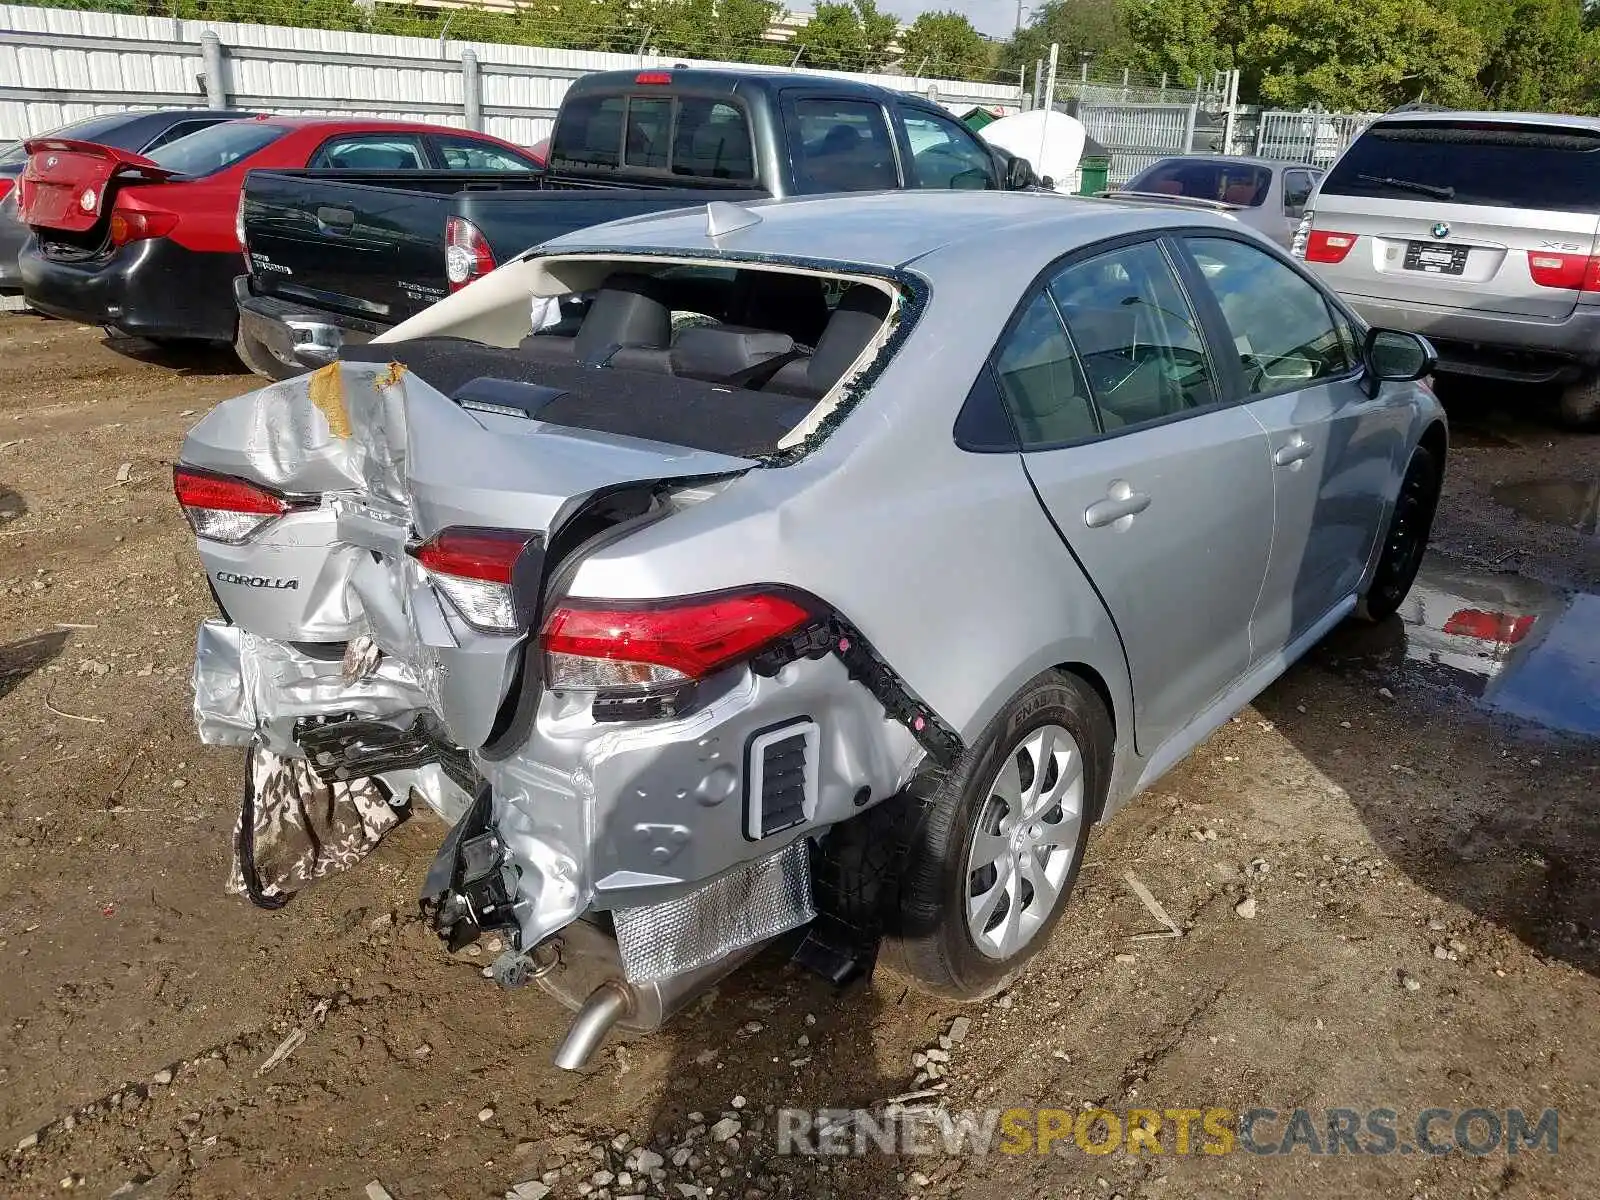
{"x":1266,"y":195}
{"x":140,"y":132}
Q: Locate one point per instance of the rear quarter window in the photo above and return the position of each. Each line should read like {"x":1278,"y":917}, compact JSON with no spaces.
{"x":1502,"y":165}
{"x":218,"y":148}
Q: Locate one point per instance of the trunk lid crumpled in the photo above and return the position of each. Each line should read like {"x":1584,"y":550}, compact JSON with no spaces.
{"x":374,"y":459}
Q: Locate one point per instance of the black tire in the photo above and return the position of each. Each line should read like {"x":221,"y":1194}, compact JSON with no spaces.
{"x":1406,"y":539}
{"x":1578,"y":406}
{"x":934,"y":945}
{"x":261,"y":360}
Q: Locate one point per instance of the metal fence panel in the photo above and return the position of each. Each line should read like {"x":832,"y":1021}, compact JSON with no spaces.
{"x":1309,"y":137}
{"x":1138,"y":134}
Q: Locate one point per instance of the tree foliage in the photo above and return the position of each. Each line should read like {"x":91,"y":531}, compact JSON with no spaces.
{"x":945,"y":44}
{"x":852,"y":36}
{"x":1079,"y":27}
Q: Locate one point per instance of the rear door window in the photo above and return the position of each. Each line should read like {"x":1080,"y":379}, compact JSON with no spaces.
{"x":218,"y":148}
{"x":467,"y":154}
{"x":1473,"y":162}
{"x":370,"y":152}
{"x":712,"y":141}
{"x":841,"y":146}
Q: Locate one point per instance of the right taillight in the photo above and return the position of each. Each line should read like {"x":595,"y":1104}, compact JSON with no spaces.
{"x":223,"y":508}
{"x":1573,"y":272}
{"x":467,"y":255}
{"x":7,"y":182}
{"x":1326,"y":246}
{"x":134,"y":224}
{"x":1297,"y":246}
{"x":618,"y":648}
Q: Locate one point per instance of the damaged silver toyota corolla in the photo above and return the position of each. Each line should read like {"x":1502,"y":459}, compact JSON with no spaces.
{"x":821,"y":569}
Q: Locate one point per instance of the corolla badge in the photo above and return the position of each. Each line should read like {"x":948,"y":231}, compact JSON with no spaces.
{"x":1440,"y":231}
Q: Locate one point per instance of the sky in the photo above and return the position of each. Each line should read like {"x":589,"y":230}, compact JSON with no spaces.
{"x":994,"y":17}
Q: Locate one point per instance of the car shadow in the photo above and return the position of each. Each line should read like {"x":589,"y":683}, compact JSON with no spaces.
{"x":202,"y":360}
{"x":1471,"y":752}
{"x":22,"y":658}
{"x":12,"y":505}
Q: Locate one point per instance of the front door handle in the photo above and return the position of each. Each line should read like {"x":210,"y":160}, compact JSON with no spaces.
{"x":1121,"y":501}
{"x":1293,"y":451}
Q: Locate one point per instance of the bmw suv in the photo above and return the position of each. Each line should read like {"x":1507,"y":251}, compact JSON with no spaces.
{"x":1479,"y":231}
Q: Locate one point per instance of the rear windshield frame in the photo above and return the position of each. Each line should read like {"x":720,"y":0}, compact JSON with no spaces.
{"x":561,"y":138}
{"x":1488,"y":163}
{"x":266,"y":132}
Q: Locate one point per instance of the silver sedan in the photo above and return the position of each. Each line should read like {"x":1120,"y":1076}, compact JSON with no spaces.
{"x":737,"y":564}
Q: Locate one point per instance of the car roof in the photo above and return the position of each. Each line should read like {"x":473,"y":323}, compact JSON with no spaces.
{"x":731,"y":79}
{"x":890,"y":229}
{"x":1272,"y":164}
{"x":1449,"y":116}
{"x":374,"y":123}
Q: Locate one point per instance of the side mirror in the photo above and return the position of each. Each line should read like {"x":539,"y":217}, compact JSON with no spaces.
{"x":1019,"y":175}
{"x":1396,"y":357}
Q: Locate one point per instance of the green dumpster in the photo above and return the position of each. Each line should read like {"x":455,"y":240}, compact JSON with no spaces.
{"x":1092,"y":172}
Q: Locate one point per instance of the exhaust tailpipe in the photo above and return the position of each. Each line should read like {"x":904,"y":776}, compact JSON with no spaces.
{"x":606,"y":1005}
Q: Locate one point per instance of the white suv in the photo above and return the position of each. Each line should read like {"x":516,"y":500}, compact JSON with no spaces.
{"x":1477,"y":230}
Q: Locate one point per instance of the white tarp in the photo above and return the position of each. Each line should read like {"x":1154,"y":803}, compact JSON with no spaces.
{"x":1051,"y":141}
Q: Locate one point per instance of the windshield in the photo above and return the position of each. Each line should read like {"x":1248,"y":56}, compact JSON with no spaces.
{"x":217,"y":148}
{"x":90,"y":129}
{"x":1243,"y":184}
{"x":1478,"y":162}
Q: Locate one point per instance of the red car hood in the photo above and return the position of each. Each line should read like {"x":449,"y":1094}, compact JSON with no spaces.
{"x":65,"y":183}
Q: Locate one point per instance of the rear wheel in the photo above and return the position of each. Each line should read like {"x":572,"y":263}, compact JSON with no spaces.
{"x":1406,"y":539}
{"x":1579,"y":405}
{"x":1004,"y":838}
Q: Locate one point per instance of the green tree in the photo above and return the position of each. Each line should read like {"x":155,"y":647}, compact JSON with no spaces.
{"x":847,"y":37}
{"x":945,"y":45}
{"x":715,"y":29}
{"x":1186,"y":40}
{"x":1092,"y":27}
{"x":1535,"y":51}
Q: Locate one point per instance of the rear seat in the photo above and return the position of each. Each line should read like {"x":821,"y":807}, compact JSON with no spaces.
{"x":628,"y":315}
{"x":855,"y":322}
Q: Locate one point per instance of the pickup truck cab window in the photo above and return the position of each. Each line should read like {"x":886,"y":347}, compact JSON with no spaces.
{"x":945,"y":155}
{"x":372,"y":152}
{"x":841,"y":146}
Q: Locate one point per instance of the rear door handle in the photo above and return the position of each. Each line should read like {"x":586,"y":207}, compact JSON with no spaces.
{"x":1293,"y":451}
{"x":1121,"y":501}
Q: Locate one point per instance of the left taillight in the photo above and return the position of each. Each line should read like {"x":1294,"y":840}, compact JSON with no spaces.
{"x":467,"y":255}
{"x":225,"y":509}
{"x":1574,"y":272}
{"x":7,"y":184}
{"x":473,"y":567}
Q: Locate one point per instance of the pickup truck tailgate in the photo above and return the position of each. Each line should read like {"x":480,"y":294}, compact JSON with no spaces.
{"x":354,"y":245}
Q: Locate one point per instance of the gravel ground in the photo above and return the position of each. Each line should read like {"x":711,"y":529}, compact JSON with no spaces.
{"x":1387,"y":889}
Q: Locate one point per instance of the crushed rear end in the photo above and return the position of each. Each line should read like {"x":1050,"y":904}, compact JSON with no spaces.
{"x":632,"y":787}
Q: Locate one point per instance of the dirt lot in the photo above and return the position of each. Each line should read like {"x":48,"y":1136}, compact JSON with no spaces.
{"x":1424,"y":869}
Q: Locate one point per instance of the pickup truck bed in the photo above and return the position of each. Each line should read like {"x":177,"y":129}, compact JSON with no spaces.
{"x":335,"y":260}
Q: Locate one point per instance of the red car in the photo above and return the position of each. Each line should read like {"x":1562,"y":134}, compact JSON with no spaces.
{"x":148,"y":245}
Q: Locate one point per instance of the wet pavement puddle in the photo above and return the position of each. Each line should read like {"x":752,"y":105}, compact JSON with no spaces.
{"x":1512,"y":645}
{"x":1574,"y":503}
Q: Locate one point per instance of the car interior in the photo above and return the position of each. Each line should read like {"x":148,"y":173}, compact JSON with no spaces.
{"x":720,"y":359}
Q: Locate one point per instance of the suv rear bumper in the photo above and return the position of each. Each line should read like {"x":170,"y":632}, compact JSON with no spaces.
{"x":297,"y":335}
{"x":1496,"y":345}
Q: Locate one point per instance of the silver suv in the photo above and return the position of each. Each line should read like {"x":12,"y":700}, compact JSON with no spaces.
{"x":1478,"y":230}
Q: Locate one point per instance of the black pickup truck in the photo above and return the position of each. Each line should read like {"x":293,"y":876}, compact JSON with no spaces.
{"x":338,"y":256}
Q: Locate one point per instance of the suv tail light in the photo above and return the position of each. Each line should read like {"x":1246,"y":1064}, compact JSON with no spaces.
{"x":1326,"y":246}
{"x":1297,"y":247}
{"x":466,"y":253}
{"x":1574,"y":272}
{"x":610,"y":646}
{"x":226,"y":509}
{"x":136,"y":224}
{"x":473,"y":568}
